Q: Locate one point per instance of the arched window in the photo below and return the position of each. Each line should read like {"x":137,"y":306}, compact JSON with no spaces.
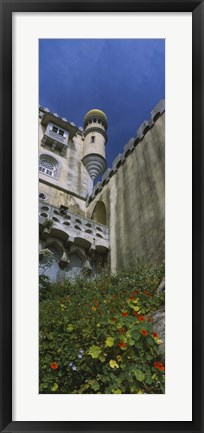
{"x":47,"y":167}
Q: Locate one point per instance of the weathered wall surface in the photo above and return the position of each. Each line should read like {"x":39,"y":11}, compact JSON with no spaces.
{"x":57,"y":197}
{"x":72,"y":182}
{"x":134,"y":199}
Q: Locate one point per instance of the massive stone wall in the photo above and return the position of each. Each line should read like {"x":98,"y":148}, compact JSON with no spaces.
{"x":134,"y":195}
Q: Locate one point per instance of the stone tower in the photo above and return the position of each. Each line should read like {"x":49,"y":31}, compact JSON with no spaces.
{"x":95,"y":139}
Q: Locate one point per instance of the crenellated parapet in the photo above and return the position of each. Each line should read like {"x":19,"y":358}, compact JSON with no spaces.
{"x":128,"y":148}
{"x":47,"y":117}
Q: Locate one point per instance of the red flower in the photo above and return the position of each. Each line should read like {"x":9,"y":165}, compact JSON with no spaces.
{"x":132,"y":298}
{"x":155,"y":335}
{"x":124,"y":313}
{"x":122,"y":344}
{"x":141,"y":318}
{"x":113,"y":319}
{"x":144,"y":332}
{"x":134,"y":293}
{"x":159,"y":366}
{"x":145,"y":292}
{"x":135,"y":313}
{"x":54,"y":365}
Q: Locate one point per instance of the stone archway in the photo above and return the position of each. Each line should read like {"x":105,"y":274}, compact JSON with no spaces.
{"x":99,"y":213}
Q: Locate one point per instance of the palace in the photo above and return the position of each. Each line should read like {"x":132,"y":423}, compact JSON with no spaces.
{"x":86,"y":225}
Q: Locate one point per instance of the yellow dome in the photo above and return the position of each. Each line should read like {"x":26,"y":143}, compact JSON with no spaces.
{"x":98,"y":113}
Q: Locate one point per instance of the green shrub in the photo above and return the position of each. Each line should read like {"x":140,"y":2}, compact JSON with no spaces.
{"x":97,"y":336}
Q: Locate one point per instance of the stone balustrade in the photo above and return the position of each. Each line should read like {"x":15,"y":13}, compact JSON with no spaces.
{"x":73,"y":228}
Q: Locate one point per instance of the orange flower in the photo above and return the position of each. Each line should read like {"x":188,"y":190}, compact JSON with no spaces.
{"x":144,"y":332}
{"x":54,"y":365}
{"x":96,"y":303}
{"x":155,"y":335}
{"x":121,"y":330}
{"x":124,"y":313}
{"x":159,"y":366}
{"x":122,"y":344}
{"x":93,"y":308}
{"x":141,"y":318}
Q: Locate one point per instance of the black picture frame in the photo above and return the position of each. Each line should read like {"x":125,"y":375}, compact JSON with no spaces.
{"x":6,"y":9}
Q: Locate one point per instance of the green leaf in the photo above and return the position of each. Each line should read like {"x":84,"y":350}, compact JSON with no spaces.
{"x":113,"y":364}
{"x":149,"y":357}
{"x":102,"y":358}
{"x":116,"y":391}
{"x":139,"y":375}
{"x":150,"y":341}
{"x":95,"y":386}
{"x":136,"y":308}
{"x":135,"y":335}
{"x":135,"y":301}
{"x":70,"y":328}
{"x":54,"y":387}
{"x":131,"y":342}
{"x":148,"y":380}
{"x":94,"y":351}
{"x":109,"y":341}
{"x":158,"y":341}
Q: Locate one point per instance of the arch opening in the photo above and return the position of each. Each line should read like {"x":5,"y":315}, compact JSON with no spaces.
{"x":99,"y":213}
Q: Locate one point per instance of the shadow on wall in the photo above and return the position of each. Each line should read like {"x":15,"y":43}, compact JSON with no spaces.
{"x":50,"y":266}
{"x":99,"y":213}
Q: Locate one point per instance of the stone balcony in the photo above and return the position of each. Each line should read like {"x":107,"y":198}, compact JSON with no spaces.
{"x":56,"y":138}
{"x":73,"y":229}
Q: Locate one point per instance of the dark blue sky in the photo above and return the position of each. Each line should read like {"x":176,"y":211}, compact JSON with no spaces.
{"x":123,"y":77}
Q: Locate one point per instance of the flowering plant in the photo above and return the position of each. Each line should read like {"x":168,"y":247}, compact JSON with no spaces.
{"x":98,"y":335}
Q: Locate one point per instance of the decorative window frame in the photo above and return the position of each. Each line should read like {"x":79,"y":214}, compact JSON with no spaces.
{"x":51,"y":159}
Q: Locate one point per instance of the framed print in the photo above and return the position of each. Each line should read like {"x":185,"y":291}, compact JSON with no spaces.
{"x":92,"y":335}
